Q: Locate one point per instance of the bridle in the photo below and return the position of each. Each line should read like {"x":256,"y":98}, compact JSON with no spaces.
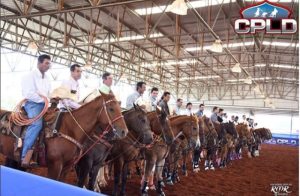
{"x":210,"y":131}
{"x":108,"y":128}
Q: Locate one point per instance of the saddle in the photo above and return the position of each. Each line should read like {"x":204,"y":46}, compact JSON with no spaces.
{"x":52,"y":122}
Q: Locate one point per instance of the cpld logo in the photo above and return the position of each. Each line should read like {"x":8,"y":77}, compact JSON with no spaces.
{"x":272,"y":18}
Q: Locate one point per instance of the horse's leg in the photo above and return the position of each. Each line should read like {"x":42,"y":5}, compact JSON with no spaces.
{"x":148,"y":166}
{"x":169,"y":169}
{"x":93,"y":176}
{"x":13,"y":164}
{"x":158,"y":171}
{"x":124,"y":179}
{"x":138,"y":168}
{"x":54,"y":169}
{"x":118,"y":164}
{"x":83,"y":167}
{"x":196,"y":159}
{"x":64,"y":173}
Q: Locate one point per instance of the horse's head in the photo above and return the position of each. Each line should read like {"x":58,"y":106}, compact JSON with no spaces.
{"x":189,"y":126}
{"x":165,"y":124}
{"x":210,"y":126}
{"x":110,"y":114}
{"x":138,"y":122}
{"x":247,"y":136}
{"x":230,"y":128}
{"x":155,"y":125}
{"x":268,"y":134}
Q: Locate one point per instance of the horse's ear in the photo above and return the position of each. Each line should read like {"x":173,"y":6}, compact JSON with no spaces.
{"x":134,"y":106}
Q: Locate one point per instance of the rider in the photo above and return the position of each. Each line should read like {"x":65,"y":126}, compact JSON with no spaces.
{"x":177,"y":110}
{"x":73,"y":85}
{"x":220,"y":115}
{"x":153,"y":98}
{"x":163,"y":103}
{"x":107,"y":79}
{"x":214,"y":118}
{"x":35,"y":85}
{"x":200,"y":111}
{"x":214,"y":115}
{"x":138,"y":94}
{"x":189,"y":107}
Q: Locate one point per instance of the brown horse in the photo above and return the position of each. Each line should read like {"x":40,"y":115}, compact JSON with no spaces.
{"x":259,"y":135}
{"x":184,"y":128}
{"x":227,"y":135}
{"x":245,"y":138}
{"x":156,"y":154}
{"x":209,"y":141}
{"x":139,"y":133}
{"x":62,"y":150}
{"x":131,"y":147}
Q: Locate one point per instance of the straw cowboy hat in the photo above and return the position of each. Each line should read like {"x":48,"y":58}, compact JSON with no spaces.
{"x":63,"y":93}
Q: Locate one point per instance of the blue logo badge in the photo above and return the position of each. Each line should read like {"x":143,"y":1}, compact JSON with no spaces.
{"x":266,"y":10}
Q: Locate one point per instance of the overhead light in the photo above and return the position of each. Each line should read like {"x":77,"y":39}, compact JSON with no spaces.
{"x":231,"y":45}
{"x":32,"y":47}
{"x":248,"y":80}
{"x":236,"y":68}
{"x":267,"y":78}
{"x":178,"y":7}
{"x":198,"y":77}
{"x":217,"y":46}
{"x":194,"y":4}
{"x":280,"y":44}
{"x":284,"y":66}
{"x":241,"y":44}
{"x":257,"y":89}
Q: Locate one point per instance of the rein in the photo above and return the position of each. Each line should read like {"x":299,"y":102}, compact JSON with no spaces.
{"x":98,"y":138}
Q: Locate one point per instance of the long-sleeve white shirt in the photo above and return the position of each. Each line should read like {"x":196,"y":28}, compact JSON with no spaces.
{"x":73,"y":85}
{"x":34,"y":85}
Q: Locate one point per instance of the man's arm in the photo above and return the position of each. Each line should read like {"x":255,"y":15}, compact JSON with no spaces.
{"x":29,"y":90}
{"x":129,"y":102}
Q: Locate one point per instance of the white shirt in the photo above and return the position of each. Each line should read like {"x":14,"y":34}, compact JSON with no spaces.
{"x":177,"y":111}
{"x":133,"y":99}
{"x":34,"y":84}
{"x":73,"y":85}
{"x":188,"y":112}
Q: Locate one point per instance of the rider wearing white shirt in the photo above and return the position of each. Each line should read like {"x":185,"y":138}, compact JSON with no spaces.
{"x":189,"y":107}
{"x":72,"y":85}
{"x":35,"y":85}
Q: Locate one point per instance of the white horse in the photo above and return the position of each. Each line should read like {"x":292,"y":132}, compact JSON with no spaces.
{"x":264,"y":14}
{"x":257,"y":13}
{"x":274,"y":13}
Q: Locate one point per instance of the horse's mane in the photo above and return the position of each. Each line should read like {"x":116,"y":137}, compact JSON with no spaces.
{"x":174,"y":118}
{"x":105,"y":96}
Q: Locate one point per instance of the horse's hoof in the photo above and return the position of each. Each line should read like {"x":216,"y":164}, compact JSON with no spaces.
{"x":212,"y":168}
{"x":206,"y":168}
{"x":152,"y":187}
{"x":170,"y":182}
{"x":196,"y":170}
{"x":161,"y":193}
{"x":163,"y":184}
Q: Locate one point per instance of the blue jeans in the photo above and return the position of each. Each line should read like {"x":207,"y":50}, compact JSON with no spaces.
{"x":33,"y":109}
